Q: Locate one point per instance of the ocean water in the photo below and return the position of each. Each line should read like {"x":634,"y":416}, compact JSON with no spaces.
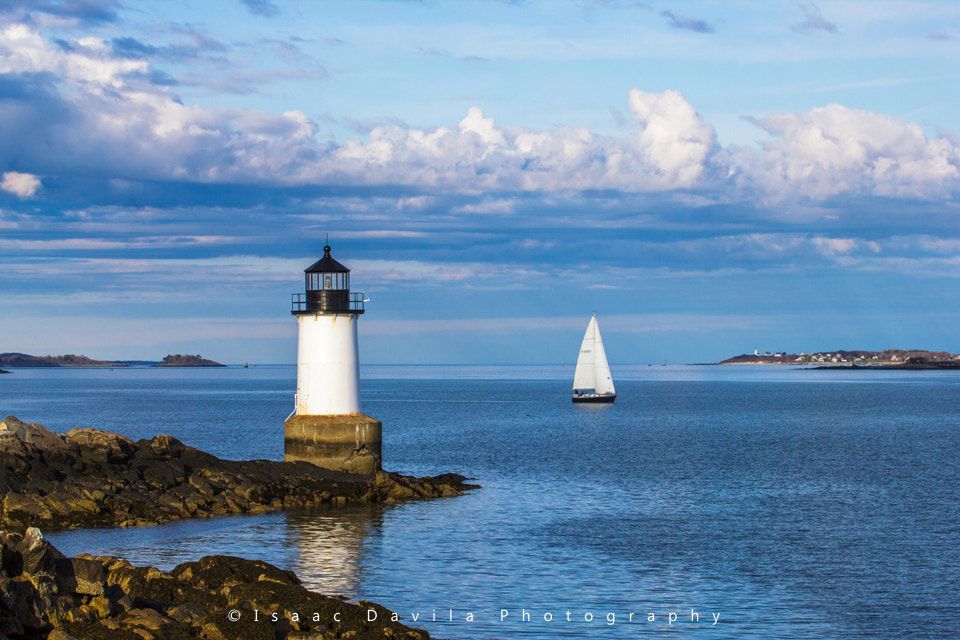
{"x":708,"y":502}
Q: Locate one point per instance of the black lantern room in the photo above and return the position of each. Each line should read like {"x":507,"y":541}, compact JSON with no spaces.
{"x":328,"y":289}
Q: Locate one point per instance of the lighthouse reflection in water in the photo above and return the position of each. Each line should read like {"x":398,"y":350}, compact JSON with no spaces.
{"x":330,"y":546}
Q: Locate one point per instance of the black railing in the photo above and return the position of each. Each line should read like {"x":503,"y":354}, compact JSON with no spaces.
{"x":327,"y":301}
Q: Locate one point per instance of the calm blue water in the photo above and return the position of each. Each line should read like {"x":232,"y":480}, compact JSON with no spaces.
{"x":792,"y":504}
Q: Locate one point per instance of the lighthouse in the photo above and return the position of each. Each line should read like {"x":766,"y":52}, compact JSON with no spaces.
{"x":326,"y":426}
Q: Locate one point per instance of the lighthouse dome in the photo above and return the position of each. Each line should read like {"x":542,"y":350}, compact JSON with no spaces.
{"x":327,"y":273}
{"x":327,"y":289}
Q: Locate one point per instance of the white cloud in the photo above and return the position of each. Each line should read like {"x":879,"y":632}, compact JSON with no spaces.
{"x":938,"y":245}
{"x":836,"y":150}
{"x":100,"y":106}
{"x":530,"y":243}
{"x":23,"y":185}
{"x":773,"y":248}
{"x":495,"y":207}
{"x":417,"y":202}
{"x":87,"y":61}
{"x":483,"y":127}
{"x":675,"y":140}
{"x":105,"y":119}
{"x":834,"y":246}
{"x":670,"y":153}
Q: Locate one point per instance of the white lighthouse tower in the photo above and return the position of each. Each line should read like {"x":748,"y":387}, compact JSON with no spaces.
{"x":326,"y":426}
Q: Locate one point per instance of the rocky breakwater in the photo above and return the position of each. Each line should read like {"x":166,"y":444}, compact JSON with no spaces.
{"x":44,"y":594}
{"x":91,"y":478}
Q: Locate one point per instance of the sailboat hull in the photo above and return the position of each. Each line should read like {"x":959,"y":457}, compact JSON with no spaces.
{"x":595,"y":398}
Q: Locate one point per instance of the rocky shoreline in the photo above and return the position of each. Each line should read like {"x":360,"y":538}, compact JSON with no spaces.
{"x":45,"y":595}
{"x":91,"y":478}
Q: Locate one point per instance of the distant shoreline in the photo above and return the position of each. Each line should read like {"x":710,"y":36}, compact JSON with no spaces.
{"x":903,"y":359}
{"x":23,"y":361}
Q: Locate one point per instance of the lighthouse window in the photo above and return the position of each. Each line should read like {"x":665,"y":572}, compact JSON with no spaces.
{"x":328,"y":281}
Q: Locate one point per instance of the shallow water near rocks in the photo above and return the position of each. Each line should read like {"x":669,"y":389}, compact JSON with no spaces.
{"x":789,"y":503}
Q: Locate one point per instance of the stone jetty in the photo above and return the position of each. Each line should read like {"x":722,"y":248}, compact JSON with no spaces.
{"x":45,"y":595}
{"x":91,"y":478}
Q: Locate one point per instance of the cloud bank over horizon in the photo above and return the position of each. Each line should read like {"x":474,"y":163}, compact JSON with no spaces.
{"x":77,"y":108}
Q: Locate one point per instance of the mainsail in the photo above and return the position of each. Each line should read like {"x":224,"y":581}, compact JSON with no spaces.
{"x":593,"y":372}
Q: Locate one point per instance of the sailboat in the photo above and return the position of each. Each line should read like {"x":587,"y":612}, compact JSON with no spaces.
{"x":591,"y":380}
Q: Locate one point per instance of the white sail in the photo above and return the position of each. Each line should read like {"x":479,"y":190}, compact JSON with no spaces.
{"x":593,"y":372}
{"x":583,"y":377}
{"x":603,"y":382}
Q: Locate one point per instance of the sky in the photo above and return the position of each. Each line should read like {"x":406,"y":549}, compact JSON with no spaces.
{"x":709,"y":177}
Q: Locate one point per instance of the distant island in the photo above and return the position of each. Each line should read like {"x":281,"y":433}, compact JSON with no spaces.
{"x":887,"y":359}
{"x":187,"y":361}
{"x":25,"y":360}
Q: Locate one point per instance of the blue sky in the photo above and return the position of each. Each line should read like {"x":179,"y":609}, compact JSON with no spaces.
{"x":709,"y":177}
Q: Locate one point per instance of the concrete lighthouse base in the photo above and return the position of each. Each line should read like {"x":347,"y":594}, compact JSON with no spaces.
{"x":348,"y":443}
